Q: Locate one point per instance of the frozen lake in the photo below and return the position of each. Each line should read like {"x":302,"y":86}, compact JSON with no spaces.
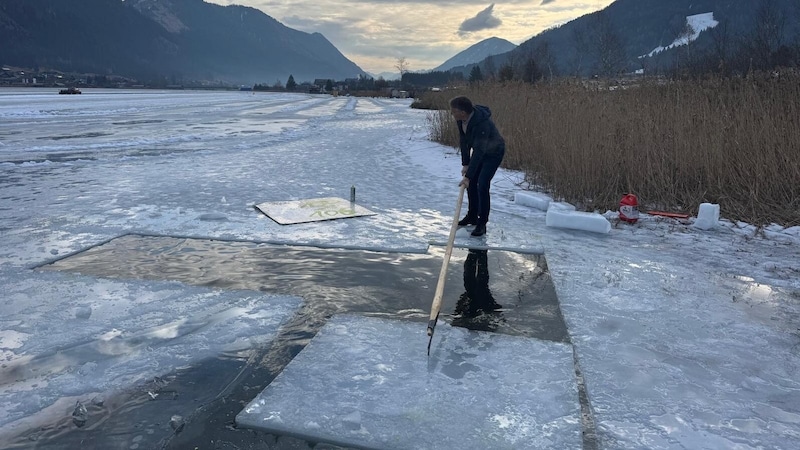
{"x":109,"y":154}
{"x":686,"y":338}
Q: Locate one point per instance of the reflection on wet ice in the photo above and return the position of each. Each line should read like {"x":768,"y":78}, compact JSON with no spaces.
{"x":476,"y":303}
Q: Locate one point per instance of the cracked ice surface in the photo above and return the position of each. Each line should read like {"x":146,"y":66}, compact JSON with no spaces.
{"x":686,"y":338}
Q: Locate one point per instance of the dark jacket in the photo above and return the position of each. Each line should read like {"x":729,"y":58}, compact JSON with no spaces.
{"x":482,"y":137}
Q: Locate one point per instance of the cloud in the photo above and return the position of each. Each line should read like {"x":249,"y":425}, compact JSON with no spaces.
{"x":484,"y":20}
{"x":544,"y":2}
{"x":366,"y":31}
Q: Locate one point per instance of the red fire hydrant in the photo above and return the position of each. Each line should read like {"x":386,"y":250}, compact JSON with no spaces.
{"x":629,"y":208}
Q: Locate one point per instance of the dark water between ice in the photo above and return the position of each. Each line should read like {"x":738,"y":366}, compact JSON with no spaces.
{"x":209,"y":394}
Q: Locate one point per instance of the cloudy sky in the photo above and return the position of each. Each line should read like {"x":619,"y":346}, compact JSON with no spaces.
{"x":375,"y":33}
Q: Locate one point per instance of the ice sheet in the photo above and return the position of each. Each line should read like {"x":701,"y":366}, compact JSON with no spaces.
{"x":368,"y":382}
{"x":194,"y":163}
{"x":312,"y":210}
{"x":64,"y":335}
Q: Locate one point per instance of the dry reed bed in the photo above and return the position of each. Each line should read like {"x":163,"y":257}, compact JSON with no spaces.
{"x":675,"y":144}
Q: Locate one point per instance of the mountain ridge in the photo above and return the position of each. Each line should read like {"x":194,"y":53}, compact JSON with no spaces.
{"x":639,"y":26}
{"x":477,"y":52}
{"x":176,"y":39}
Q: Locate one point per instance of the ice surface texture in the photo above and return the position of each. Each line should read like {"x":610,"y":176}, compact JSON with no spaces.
{"x":367,"y":382}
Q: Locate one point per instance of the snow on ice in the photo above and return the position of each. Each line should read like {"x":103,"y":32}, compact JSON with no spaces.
{"x":686,"y":338}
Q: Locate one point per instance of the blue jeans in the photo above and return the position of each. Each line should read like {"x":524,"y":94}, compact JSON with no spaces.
{"x":478,"y":190}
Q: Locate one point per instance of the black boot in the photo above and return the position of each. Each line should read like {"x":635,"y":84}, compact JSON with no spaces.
{"x":480,"y":230}
{"x":467,"y":221}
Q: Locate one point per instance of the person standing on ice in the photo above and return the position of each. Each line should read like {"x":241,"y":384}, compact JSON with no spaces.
{"x":477,"y":132}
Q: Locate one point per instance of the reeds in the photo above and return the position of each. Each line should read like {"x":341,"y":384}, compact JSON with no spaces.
{"x":675,"y":144}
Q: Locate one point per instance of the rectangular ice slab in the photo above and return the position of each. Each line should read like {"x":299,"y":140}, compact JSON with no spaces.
{"x":533,"y":199}
{"x":368,"y":383}
{"x":561,"y":206}
{"x":311,"y":210}
{"x":577,"y":220}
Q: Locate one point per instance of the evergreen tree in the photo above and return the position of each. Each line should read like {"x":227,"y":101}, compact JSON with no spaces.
{"x":291,"y":85}
{"x":381,"y":83}
{"x":506,"y":73}
{"x":475,"y":75}
{"x":365,"y":83}
{"x":489,"y":68}
{"x":328,"y":85}
{"x":530,"y":71}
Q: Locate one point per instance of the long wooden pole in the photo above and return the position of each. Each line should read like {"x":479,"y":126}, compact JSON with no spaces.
{"x":437,"y":298}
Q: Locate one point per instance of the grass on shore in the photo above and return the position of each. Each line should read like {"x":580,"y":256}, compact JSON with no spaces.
{"x":675,"y":144}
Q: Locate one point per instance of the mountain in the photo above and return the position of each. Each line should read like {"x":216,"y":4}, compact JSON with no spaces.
{"x":477,"y":52}
{"x":174,"y":39}
{"x":616,"y":37}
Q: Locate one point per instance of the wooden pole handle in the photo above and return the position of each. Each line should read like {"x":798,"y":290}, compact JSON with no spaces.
{"x":437,"y":298}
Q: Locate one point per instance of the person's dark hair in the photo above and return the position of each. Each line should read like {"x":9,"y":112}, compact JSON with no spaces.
{"x":462,"y":103}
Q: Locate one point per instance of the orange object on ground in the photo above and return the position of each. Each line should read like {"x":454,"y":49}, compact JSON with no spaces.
{"x":668,"y":214}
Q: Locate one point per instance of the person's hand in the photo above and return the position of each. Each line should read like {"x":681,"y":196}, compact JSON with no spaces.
{"x":464,"y":182}
{"x":464,"y":170}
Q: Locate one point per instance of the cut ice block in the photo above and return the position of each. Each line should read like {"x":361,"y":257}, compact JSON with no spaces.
{"x":368,"y":383}
{"x":532,"y":199}
{"x":707,"y":217}
{"x":562,"y":206}
{"x":577,"y":220}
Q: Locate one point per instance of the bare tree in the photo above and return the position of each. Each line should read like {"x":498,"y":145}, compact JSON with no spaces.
{"x":546,"y":60}
{"x":687,"y":33}
{"x":401,"y":65}
{"x":768,"y":34}
{"x":512,"y":62}
{"x":581,"y":47}
{"x":609,"y":49}
{"x":683,"y":54}
{"x":530,"y":70}
{"x":721,"y":47}
{"x":489,"y":69}
{"x":797,"y":36}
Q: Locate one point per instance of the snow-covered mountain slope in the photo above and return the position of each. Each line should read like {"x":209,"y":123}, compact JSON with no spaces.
{"x":477,"y":53}
{"x":694,"y":26}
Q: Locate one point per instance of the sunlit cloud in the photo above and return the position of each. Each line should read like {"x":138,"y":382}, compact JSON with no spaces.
{"x":375,"y":33}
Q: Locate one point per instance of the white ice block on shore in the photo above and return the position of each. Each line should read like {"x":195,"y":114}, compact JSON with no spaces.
{"x":533,"y":199}
{"x":564,"y":206}
{"x":707,"y":216}
{"x":577,"y":220}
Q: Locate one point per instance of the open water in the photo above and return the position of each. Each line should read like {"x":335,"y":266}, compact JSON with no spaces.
{"x":488,"y":290}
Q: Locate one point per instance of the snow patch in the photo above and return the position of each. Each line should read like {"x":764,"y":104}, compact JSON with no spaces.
{"x":694,"y":26}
